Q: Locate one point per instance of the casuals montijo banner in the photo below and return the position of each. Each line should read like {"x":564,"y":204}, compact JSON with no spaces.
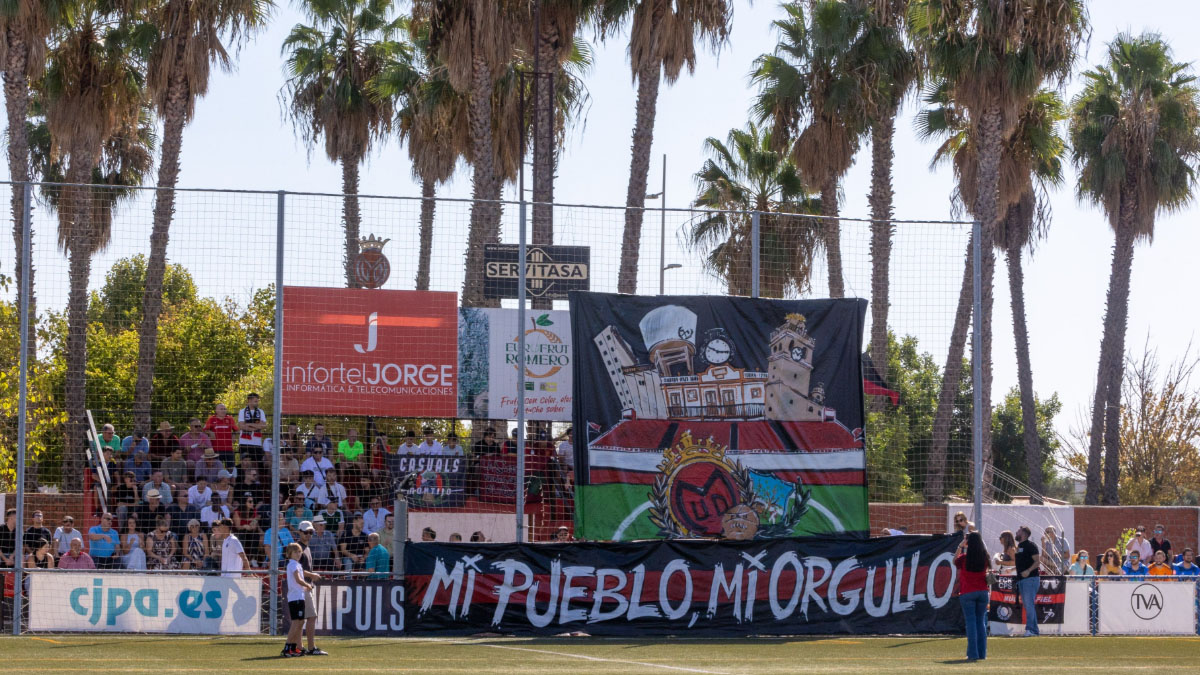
{"x":369,"y":352}
{"x":717,"y":417}
{"x":428,"y":480}
{"x":488,"y":344}
{"x":777,"y":586}
{"x":356,"y":606}
{"x":1006,"y":607}
{"x":147,"y":603}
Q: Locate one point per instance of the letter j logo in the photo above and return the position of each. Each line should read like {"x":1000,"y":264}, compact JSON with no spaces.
{"x":372,"y":334}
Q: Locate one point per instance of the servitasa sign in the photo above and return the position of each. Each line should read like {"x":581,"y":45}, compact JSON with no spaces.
{"x":780,"y":586}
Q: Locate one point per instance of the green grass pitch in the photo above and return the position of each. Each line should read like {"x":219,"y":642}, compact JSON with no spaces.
{"x":582,"y":656}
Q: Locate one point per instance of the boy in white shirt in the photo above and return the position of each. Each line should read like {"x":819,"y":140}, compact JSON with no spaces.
{"x":199,"y":495}
{"x":233,"y":556}
{"x":297,"y":588}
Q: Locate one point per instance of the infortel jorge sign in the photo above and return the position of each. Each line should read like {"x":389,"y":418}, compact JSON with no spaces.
{"x":369,"y":352}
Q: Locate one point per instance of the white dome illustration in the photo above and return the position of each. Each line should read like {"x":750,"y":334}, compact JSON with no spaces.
{"x":669,"y":322}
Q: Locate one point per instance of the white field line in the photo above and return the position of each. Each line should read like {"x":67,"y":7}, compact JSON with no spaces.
{"x":597,"y":658}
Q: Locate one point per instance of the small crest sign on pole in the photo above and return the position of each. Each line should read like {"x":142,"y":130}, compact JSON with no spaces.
{"x":371,"y":268}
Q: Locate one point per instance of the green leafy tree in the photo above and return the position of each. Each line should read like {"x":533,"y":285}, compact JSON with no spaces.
{"x":118,"y":304}
{"x":1008,"y":438}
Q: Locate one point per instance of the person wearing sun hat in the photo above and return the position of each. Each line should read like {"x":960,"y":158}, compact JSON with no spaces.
{"x":209,"y":466}
{"x":163,"y":442}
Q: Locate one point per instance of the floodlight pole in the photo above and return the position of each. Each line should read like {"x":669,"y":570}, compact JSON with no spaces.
{"x":277,"y":403}
{"x":977,"y":366}
{"x":755,"y":252}
{"x":22,"y":394}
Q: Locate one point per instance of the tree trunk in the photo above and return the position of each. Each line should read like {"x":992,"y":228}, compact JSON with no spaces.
{"x":77,"y":208}
{"x":164,"y":208}
{"x":543,"y":136}
{"x":987,"y":205}
{"x":940,"y":442}
{"x":833,"y":238}
{"x":881,"y":244}
{"x":428,"y":204}
{"x":639,"y":168}
{"x":16,"y":100}
{"x":351,"y":217}
{"x":485,"y":188}
{"x":1029,"y":432}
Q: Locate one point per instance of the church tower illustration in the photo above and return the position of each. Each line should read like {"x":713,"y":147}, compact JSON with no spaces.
{"x":789,"y":371}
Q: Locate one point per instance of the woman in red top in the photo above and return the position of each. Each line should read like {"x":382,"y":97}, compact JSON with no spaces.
{"x":973,"y":563}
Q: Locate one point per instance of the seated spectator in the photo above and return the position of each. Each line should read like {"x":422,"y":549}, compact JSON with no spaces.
{"x":1160,"y":567}
{"x":455,"y":538}
{"x":563,"y":534}
{"x":175,"y":472}
{"x":195,"y":553}
{"x":351,"y":449}
{"x":314,"y":495}
{"x":163,"y":442}
{"x":40,"y":557}
{"x":319,"y":441}
{"x":1140,"y":543}
{"x":37,"y":530}
{"x":158,"y":483}
{"x":194,"y":442}
{"x":379,"y":562}
{"x":1133,"y":566}
{"x":373,"y":516}
{"x":161,"y":546}
{"x":428,"y":534}
{"x":133,"y":556}
{"x":222,"y":488}
{"x":246,"y":463}
{"x":332,"y":516}
{"x":1056,"y":552}
{"x":1187,"y":567}
{"x":1110,"y":564}
{"x":318,"y":463}
{"x":289,"y":467}
{"x":1159,"y":541}
{"x":1080,"y":567}
{"x":220,"y":428}
{"x":322,"y":545}
{"x":379,"y":451}
{"x":109,"y":439}
{"x":132,"y":445}
{"x":150,"y":512}
{"x":452,"y":447}
{"x":285,"y":537}
{"x":429,"y":446}
{"x":126,"y":497}
{"x":249,"y":483}
{"x":409,"y":446}
{"x":110,"y":464}
{"x":289,"y":440}
{"x":64,"y":534}
{"x":335,"y":491}
{"x":213,"y":513}
{"x":478,"y":537}
{"x":199,"y":495}
{"x":102,"y":543}
{"x":486,"y":445}
{"x":140,"y":466}
{"x":209,"y":466}
{"x":75,"y":558}
{"x":244,"y":514}
{"x":353,"y":545}
{"x":298,"y":513}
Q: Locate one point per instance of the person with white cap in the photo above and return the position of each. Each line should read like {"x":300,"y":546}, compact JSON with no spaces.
{"x":321,"y":544}
{"x":305,"y":533}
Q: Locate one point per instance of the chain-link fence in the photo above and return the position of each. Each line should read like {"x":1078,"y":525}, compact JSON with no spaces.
{"x":165,"y":403}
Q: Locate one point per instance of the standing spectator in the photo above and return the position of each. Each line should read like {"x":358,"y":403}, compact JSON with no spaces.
{"x":333,"y":518}
{"x":565,"y":453}
{"x":1187,"y":567}
{"x":283,"y":539}
{"x":110,"y":465}
{"x":109,"y":439}
{"x":233,"y":556}
{"x":140,"y":466}
{"x":353,"y":545}
{"x":1028,"y":559}
{"x":220,"y":428}
{"x":563,"y":534}
{"x":1133,"y":566}
{"x":428,"y":534}
{"x":318,"y":464}
{"x":510,"y":445}
{"x":478,"y":537}
{"x":75,"y":558}
{"x":40,"y":557}
{"x":1081,"y":568}
{"x":318,"y":440}
{"x":1140,"y":543}
{"x":157,"y":483}
{"x":102,"y":543}
{"x":175,"y":471}
{"x":455,"y":538}
{"x":335,"y":491}
{"x":65,"y":534}
{"x":133,"y":557}
{"x":36,"y":531}
{"x":973,"y":564}
{"x":195,"y":441}
{"x":199,"y":495}
{"x":350,"y":449}
{"x":163,"y":442}
{"x":373,"y":517}
{"x":246,"y":522}
{"x":289,"y":467}
{"x":289,"y":440}
{"x":1006,"y":559}
{"x":452,"y":447}
{"x":161,"y":546}
{"x":387,"y":535}
{"x":1160,"y":567}
{"x":134,"y":444}
{"x":487,"y":444}
{"x":429,"y":446}
{"x":322,"y":544}
{"x":378,"y":455}
{"x":195,"y":547}
{"x":8,"y":540}
{"x":126,"y":496}
{"x":1110,"y":564}
{"x":1159,"y":542}
{"x":1056,"y":552}
{"x":251,"y":421}
{"x":379,"y":563}
{"x":409,"y":446}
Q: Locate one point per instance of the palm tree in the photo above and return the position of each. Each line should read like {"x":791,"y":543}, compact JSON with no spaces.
{"x":93,"y":95}
{"x":24,"y":28}
{"x":662,"y":41}
{"x":1031,"y":163}
{"x":993,"y":56}
{"x":743,"y":174}
{"x":330,"y":65}
{"x":182,"y":39}
{"x":1135,"y":138}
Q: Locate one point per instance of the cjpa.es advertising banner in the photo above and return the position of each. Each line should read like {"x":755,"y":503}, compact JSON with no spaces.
{"x":489,"y":357}
{"x":150,"y":603}
{"x":363,"y":607}
{"x":369,"y":352}
{"x":778,"y":586}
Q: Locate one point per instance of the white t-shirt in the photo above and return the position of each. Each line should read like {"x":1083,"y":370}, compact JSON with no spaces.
{"x":198,"y":499}
{"x":456,"y":451}
{"x":211,"y":514}
{"x":231,"y":557}
{"x":294,"y":590}
{"x":245,"y":436}
{"x":314,"y":493}
{"x":318,"y":468}
{"x":64,"y":539}
{"x":566,"y":453}
{"x":373,"y":520}
{"x":336,"y":493}
{"x":405,"y":449}
{"x":429,"y":448}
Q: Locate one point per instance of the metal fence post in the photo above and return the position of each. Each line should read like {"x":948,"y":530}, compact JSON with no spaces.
{"x":277,"y":404}
{"x":521,"y":271}
{"x":22,"y":395}
{"x":755,"y":252}
{"x":977,"y":367}
{"x":399,"y":532}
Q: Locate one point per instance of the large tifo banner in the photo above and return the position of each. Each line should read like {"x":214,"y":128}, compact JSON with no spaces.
{"x":488,"y":358}
{"x":369,"y":352}
{"x":772,"y":587}
{"x":704,"y":416}
{"x":150,"y":603}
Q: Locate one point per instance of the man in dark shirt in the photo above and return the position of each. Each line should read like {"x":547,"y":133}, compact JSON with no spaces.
{"x":1028,"y":580}
{"x":35,"y":532}
{"x":1159,"y":542}
{"x":353,"y":545}
{"x":8,"y":539}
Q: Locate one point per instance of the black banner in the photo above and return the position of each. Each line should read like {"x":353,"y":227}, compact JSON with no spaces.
{"x":797,"y":586}
{"x":356,"y":606}
{"x":1005,"y":606}
{"x":430,"y":481}
{"x":550,"y":271}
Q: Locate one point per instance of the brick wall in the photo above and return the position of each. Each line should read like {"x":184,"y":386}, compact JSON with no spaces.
{"x":918,"y":518}
{"x":1097,"y":527}
{"x":52,"y":506}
